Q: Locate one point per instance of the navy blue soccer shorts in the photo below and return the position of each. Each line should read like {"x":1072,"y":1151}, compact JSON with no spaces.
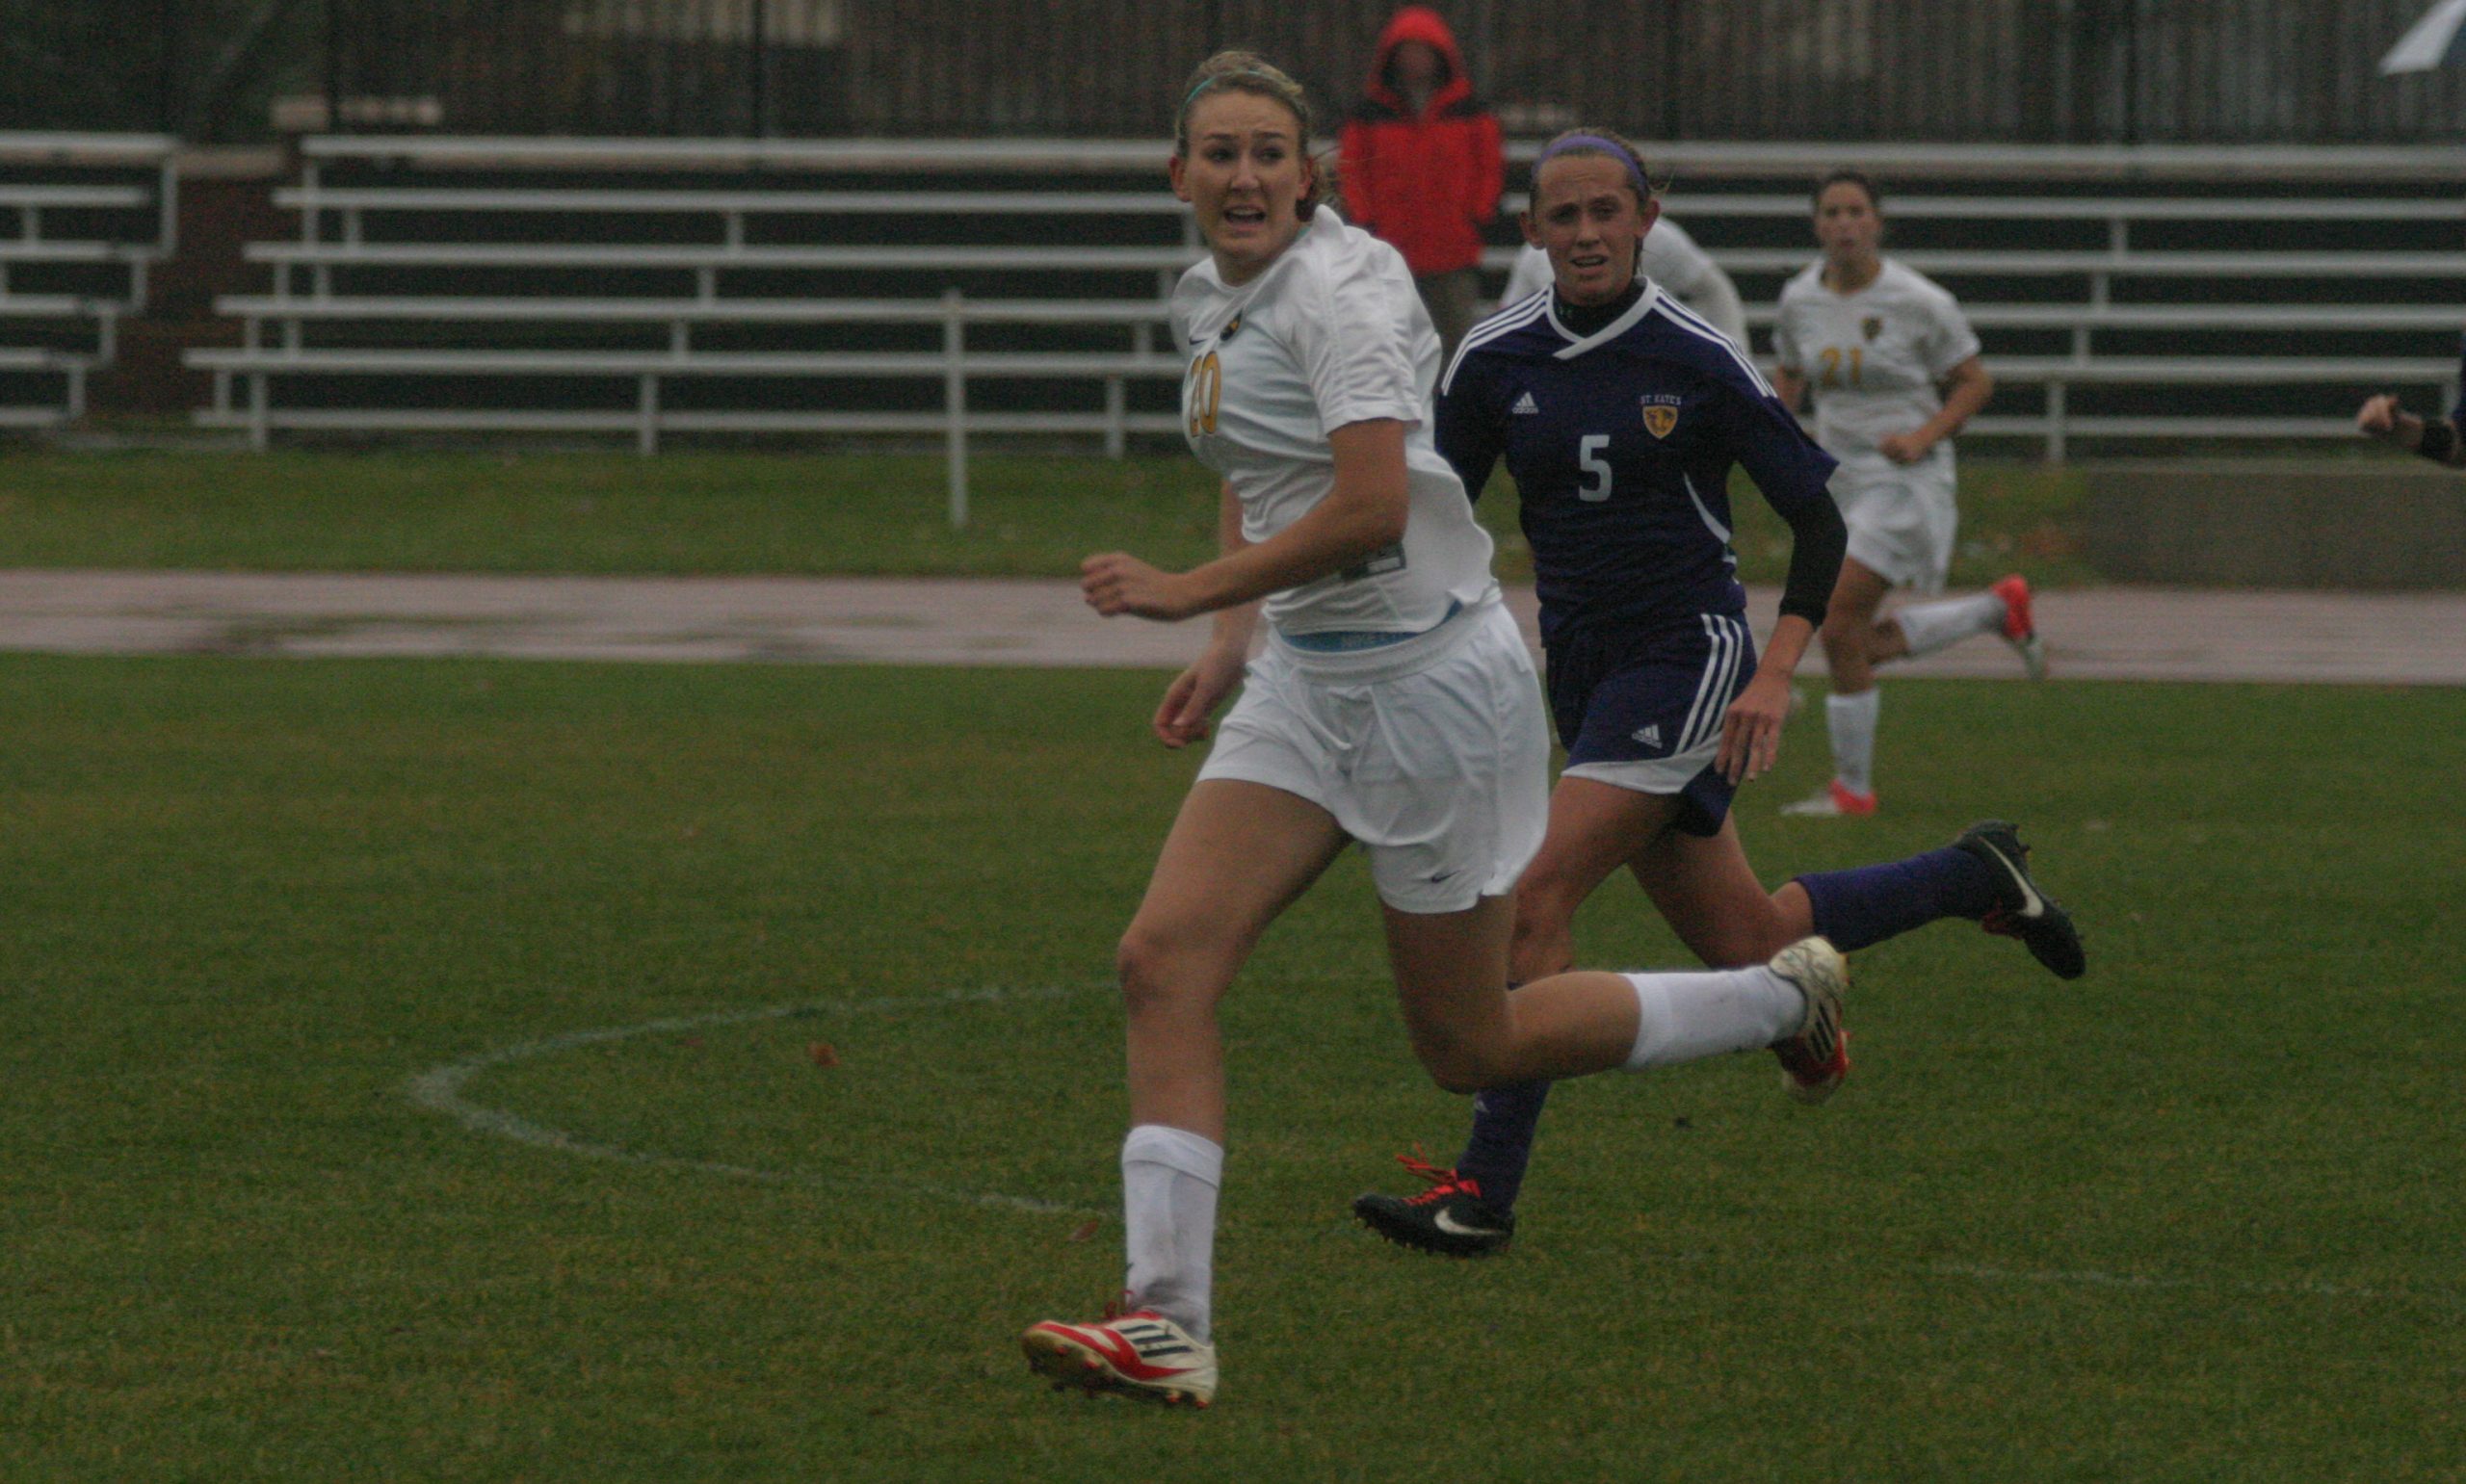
{"x":1642,"y":709}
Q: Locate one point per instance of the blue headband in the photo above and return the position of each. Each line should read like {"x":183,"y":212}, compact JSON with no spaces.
{"x":1205,"y":83}
{"x":1590,"y":143}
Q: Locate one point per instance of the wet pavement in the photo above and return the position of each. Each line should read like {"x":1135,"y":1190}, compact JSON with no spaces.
{"x":2098,"y":634}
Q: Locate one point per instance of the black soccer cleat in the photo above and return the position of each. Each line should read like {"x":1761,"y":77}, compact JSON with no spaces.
{"x":2022,"y":911}
{"x":1449,"y":1219}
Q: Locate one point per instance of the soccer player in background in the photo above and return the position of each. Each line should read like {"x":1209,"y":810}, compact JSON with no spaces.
{"x":1672,"y":261}
{"x":1420,"y":166}
{"x":1894,"y":368}
{"x":1395,"y":705}
{"x":1620,"y":414}
{"x":2434,"y":438}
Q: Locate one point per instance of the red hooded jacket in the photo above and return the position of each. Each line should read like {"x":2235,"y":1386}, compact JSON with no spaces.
{"x":1426,"y":183}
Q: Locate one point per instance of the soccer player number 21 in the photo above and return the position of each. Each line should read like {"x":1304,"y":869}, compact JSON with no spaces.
{"x":1832,"y":359}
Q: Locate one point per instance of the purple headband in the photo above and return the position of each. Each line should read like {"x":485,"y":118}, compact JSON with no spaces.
{"x":1594,"y":143}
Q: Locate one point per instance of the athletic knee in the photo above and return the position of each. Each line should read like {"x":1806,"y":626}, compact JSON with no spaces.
{"x":1158,"y":972}
{"x":1546,"y":899}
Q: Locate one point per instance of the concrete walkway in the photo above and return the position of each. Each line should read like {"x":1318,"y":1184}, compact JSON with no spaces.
{"x":2100,"y":634}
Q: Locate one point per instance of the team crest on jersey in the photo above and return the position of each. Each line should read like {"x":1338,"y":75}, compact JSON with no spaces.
{"x":1233,"y":325}
{"x":1872,"y":325}
{"x":1661,"y":416}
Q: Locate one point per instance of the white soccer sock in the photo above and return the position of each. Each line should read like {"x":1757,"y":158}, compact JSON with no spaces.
{"x":1932,"y":626}
{"x":1168,"y":1181}
{"x":1687,"y":1017}
{"x":1851,"y":722}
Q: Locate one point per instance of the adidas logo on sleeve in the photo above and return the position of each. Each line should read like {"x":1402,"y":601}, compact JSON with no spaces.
{"x":1526,"y":407}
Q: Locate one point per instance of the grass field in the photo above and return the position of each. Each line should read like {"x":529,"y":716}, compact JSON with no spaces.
{"x":2194,"y":1217}
{"x":764,"y":512}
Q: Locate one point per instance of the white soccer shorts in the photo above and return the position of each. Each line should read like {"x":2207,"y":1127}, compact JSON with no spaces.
{"x":1441,"y":773}
{"x":1902,"y":518}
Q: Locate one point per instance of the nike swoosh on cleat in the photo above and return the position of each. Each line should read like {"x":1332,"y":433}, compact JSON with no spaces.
{"x":1454,"y":1228}
{"x":2033,"y":905}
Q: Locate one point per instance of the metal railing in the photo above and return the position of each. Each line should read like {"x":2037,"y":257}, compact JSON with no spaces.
{"x":341,"y":233}
{"x":45,"y":178}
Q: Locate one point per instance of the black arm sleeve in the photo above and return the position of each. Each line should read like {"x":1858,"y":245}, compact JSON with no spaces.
{"x":1818,"y":542}
{"x":1794,"y":475}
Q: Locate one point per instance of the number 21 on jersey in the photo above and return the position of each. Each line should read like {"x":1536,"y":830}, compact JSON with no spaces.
{"x":1831,"y":357}
{"x":1206,"y":393}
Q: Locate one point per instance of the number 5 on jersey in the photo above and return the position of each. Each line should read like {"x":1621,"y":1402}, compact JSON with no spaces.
{"x":1206,"y":392}
{"x":1589,"y":448}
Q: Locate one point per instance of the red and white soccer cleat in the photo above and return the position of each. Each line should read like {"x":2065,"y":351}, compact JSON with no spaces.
{"x":1815,"y":1061}
{"x":1137,"y":1354}
{"x":2020,"y":630}
{"x":1835,"y":800}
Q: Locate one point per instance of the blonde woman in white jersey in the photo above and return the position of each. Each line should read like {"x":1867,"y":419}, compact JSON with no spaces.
{"x":1894,"y":371}
{"x":1395,"y":705}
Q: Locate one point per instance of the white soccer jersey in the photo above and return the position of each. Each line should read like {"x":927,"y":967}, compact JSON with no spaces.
{"x":1873,"y":359}
{"x":1671,"y":259}
{"x":1332,"y":333}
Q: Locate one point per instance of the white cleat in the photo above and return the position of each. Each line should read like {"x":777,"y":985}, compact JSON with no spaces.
{"x":1815,"y":1061}
{"x":1140,"y":1354}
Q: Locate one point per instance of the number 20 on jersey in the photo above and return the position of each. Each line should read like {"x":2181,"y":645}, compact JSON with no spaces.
{"x":1206,"y":393}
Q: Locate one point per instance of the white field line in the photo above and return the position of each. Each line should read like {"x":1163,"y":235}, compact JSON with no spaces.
{"x":441,"y":1090}
{"x":2092,"y":1278}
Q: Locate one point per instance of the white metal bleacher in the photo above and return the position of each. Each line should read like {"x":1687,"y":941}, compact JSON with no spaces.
{"x":325,"y":330}
{"x":56,"y":336}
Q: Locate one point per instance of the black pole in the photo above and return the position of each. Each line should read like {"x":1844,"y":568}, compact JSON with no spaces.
{"x":333,"y":66}
{"x":2131,"y":73}
{"x":761,"y":68}
{"x":167,"y":76}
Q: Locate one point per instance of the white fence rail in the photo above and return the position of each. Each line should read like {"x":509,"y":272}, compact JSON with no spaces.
{"x":333,"y":293}
{"x":36,"y":247}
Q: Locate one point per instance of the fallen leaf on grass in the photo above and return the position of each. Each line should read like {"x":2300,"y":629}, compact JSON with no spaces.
{"x":822,"y":1055}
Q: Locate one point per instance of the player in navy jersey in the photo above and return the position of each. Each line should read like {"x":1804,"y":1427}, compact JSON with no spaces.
{"x":1620,"y":414}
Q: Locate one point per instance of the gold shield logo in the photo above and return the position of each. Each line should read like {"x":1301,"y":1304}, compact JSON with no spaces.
{"x":1658,"y":420}
{"x":1872,"y":325}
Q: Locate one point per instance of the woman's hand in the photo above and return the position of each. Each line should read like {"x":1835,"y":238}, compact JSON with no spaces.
{"x":1181,"y":719}
{"x":1117,"y":583}
{"x":1751,"y":728}
{"x":2379,"y":418}
{"x":1905,"y":448}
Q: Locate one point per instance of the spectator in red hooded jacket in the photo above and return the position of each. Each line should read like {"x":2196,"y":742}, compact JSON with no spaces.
{"x":1420,"y":164}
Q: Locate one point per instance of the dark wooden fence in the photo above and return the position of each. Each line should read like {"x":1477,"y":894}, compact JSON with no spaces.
{"x":2017,"y":71}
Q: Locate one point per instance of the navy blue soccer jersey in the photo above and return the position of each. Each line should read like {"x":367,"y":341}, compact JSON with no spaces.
{"x":1620,"y":444}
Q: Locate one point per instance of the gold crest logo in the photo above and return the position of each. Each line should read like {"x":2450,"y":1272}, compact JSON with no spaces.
{"x":1872,"y":325}
{"x":1659,"y":418}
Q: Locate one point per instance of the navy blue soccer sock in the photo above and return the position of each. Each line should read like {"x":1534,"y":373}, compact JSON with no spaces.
{"x":1504,"y":1122}
{"x":1867,"y":905}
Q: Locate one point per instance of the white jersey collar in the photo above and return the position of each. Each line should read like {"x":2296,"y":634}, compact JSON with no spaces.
{"x":1214,"y":279}
{"x":1578,"y":344}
